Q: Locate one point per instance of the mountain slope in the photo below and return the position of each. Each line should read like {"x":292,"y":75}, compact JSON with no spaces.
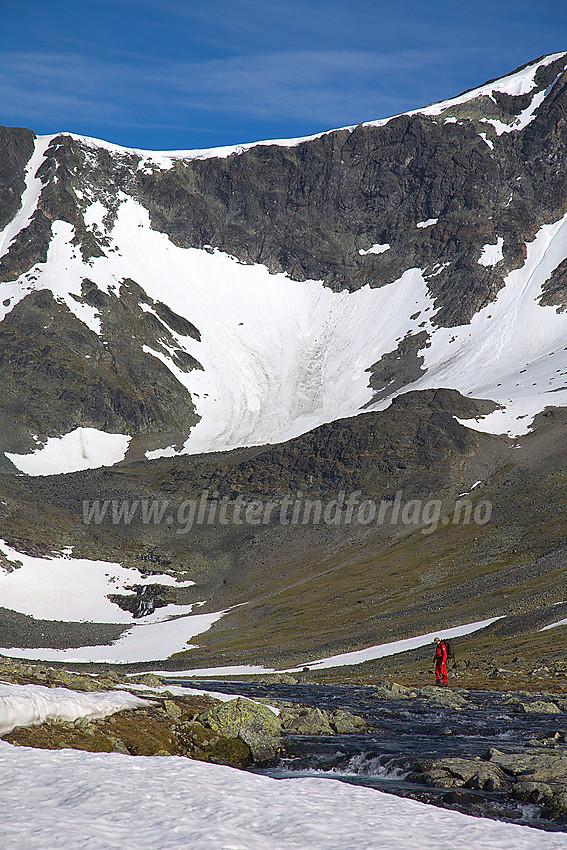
{"x":374,"y":310}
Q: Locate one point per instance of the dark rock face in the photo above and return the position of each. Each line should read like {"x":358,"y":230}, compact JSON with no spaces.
{"x":307,"y":210}
{"x":16,"y":148}
{"x":376,"y":452}
{"x":57,"y":375}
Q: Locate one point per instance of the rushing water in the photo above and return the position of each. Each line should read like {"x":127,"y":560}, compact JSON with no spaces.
{"x":403,"y":731}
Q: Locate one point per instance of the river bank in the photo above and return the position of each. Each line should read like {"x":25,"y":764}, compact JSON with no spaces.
{"x":501,"y":755}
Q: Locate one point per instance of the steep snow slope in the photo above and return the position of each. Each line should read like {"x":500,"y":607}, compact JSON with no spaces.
{"x":281,"y":357}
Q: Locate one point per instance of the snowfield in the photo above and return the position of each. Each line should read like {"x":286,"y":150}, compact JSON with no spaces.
{"x":281,"y":357}
{"x":69,"y":799}
{"x":70,"y":589}
{"x":28,"y":705}
{"x":83,"y":448}
{"x":74,"y":590}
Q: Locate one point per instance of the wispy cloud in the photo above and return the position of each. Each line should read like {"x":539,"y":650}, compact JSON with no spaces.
{"x":334,"y":86}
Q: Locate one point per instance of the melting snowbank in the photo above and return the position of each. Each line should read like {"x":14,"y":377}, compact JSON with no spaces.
{"x":346,"y":658}
{"x":28,"y":705}
{"x":71,"y":799}
{"x":70,"y":589}
{"x":83,"y":448}
{"x":153,"y":638}
{"x":76,"y":590}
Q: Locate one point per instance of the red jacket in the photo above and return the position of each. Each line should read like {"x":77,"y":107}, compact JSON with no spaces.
{"x":441,"y":653}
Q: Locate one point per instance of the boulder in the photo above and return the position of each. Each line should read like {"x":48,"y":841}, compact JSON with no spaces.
{"x":557,"y":807}
{"x":443,"y":697}
{"x":459,"y":772}
{"x":534,"y":764}
{"x":394,"y":691}
{"x":254,"y":724}
{"x":532,"y":792}
{"x":204,"y":744}
{"x":535,"y":707}
{"x":306,"y":721}
{"x":279,"y":679}
{"x":345,"y":723}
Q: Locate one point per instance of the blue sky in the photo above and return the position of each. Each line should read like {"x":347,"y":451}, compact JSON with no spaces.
{"x":180,"y":74}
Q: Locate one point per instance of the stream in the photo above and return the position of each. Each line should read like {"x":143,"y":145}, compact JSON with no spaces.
{"x":405,"y":730}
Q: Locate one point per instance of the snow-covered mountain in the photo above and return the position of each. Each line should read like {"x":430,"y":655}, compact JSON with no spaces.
{"x":376,"y":310}
{"x":188,"y":302}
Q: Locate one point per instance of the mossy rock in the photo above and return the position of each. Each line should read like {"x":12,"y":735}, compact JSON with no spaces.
{"x":204,"y":744}
{"x":255,"y":724}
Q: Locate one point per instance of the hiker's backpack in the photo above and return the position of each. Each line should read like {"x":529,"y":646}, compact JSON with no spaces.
{"x":449,"y":648}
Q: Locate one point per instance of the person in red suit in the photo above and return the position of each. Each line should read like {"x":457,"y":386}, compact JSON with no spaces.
{"x":441,"y":677}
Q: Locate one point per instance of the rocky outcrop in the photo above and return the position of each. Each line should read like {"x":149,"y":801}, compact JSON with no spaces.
{"x":253,"y":723}
{"x":168,"y":727}
{"x":434,"y":696}
{"x":536,"y":775}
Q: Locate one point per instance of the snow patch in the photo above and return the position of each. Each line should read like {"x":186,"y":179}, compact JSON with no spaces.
{"x":376,"y":249}
{"x":387,"y":649}
{"x":359,"y":656}
{"x":30,"y":196}
{"x":492,"y":254}
{"x":83,"y":448}
{"x":428,"y":223}
{"x":189,"y":691}
{"x":69,"y":589}
{"x":28,"y":705}
{"x":153,"y":638}
{"x":69,"y":799}
{"x":554,"y":625}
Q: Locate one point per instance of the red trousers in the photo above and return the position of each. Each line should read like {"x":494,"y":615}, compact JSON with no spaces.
{"x":441,"y":672}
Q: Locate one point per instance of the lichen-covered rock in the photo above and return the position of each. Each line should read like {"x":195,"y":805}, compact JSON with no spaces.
{"x":535,"y":707}
{"x":279,"y":679}
{"x":459,"y":772}
{"x":345,"y":723}
{"x":301,"y":720}
{"x":148,"y":679}
{"x":255,"y":724}
{"x":394,"y":691}
{"x":557,"y":807}
{"x":204,"y":744}
{"x":537,"y":765}
{"x":532,"y":792}
{"x":443,"y":697}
